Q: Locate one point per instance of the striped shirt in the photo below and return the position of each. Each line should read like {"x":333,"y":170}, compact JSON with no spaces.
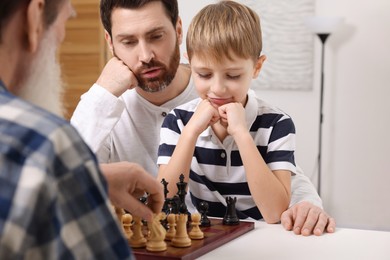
{"x":53,"y":198}
{"x":216,"y":169}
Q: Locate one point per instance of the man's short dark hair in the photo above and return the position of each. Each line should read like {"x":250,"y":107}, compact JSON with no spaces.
{"x":106,"y":7}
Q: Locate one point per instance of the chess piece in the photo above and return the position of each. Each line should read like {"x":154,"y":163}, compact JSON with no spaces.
{"x":119,"y":213}
{"x":137,"y":240}
{"x":181,"y":192}
{"x":157,"y":234}
{"x":195,"y":232}
{"x":166,"y":202}
{"x":230,"y":217}
{"x":165,"y":184}
{"x":165,"y":207}
{"x":126,"y":223}
{"x":181,"y":238}
{"x":174,"y":204}
{"x":171,"y":219}
{"x":144,"y":200}
{"x":203,"y":208}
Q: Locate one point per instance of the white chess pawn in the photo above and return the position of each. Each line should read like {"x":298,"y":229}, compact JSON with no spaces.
{"x":137,"y":240}
{"x":126,"y":222}
{"x":195,"y":232}
{"x":171,"y":227}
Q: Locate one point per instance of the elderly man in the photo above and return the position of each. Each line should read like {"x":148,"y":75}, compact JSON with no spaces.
{"x":53,"y":197}
{"x":124,"y":125}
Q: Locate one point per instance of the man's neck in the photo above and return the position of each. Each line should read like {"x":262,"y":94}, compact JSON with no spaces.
{"x":6,"y":65}
{"x":177,"y":86}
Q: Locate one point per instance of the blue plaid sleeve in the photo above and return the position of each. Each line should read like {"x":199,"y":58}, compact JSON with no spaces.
{"x":53,"y":198}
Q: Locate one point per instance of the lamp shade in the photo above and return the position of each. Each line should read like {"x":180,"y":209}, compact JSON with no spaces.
{"x":323,"y":24}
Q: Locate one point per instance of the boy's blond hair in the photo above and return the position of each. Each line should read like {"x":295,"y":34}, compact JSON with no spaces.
{"x":225,"y":27}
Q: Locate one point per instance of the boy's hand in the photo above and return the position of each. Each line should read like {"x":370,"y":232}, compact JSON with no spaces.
{"x":233,"y":118}
{"x":116,"y":77}
{"x":204,"y":115}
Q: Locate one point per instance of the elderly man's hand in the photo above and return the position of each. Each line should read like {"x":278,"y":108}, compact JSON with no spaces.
{"x":127,"y":182}
{"x":305,"y":218}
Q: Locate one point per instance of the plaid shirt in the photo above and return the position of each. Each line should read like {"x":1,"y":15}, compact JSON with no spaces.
{"x":53,"y":198}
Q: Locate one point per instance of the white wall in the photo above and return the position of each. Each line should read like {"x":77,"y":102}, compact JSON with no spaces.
{"x":356,"y":142}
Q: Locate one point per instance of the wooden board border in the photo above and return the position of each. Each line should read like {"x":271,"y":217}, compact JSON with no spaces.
{"x":215,"y":235}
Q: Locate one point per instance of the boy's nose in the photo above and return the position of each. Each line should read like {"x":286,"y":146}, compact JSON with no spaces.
{"x":217,"y":86}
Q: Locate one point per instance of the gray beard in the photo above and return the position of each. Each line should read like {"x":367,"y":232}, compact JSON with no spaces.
{"x":42,"y":84}
{"x":146,"y":88}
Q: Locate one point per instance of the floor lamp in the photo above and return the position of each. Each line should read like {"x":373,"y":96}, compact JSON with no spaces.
{"x":322,"y":27}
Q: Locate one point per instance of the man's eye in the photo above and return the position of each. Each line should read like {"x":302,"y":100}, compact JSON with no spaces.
{"x":128,"y":42}
{"x":156,"y":36}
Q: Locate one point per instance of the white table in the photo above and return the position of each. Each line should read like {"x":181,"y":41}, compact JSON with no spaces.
{"x":274,"y":242}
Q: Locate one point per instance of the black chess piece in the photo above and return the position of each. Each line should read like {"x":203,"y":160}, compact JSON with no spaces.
{"x":144,"y":200}
{"x":174,"y":204}
{"x":165,"y":208}
{"x":165,"y":184}
{"x":181,"y":188}
{"x":203,"y":208}
{"x":181,"y":192}
{"x":230,"y":217}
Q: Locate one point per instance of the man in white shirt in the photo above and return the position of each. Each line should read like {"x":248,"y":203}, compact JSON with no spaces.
{"x":121,"y":115}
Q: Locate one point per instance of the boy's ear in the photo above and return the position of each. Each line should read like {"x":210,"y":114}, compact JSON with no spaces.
{"x":109,"y":42}
{"x":258,"y":65}
{"x":35,"y":23}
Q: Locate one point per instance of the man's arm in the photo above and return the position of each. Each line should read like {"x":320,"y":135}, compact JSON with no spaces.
{"x":305,"y":215}
{"x":302,"y":189}
{"x":96,"y":115}
{"x":100,"y":108}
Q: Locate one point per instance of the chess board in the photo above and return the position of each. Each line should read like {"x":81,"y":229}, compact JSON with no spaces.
{"x":214,"y":236}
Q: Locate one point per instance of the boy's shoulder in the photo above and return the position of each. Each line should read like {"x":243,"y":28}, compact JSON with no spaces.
{"x":264,"y":107}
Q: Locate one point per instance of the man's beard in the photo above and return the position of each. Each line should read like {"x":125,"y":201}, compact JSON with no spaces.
{"x":159,"y":83}
{"x":42,"y":84}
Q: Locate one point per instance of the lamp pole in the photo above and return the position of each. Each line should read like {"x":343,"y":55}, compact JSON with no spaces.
{"x":323,"y":37}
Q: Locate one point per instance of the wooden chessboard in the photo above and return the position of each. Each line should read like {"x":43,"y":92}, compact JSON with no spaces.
{"x":214,"y":236}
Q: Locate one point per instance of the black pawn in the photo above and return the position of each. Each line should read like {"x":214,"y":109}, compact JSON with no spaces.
{"x":144,"y":200}
{"x":230,"y":217}
{"x":203,"y":208}
{"x":166,"y":201}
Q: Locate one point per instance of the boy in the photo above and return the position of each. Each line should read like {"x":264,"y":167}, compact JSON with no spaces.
{"x":228,"y":142}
